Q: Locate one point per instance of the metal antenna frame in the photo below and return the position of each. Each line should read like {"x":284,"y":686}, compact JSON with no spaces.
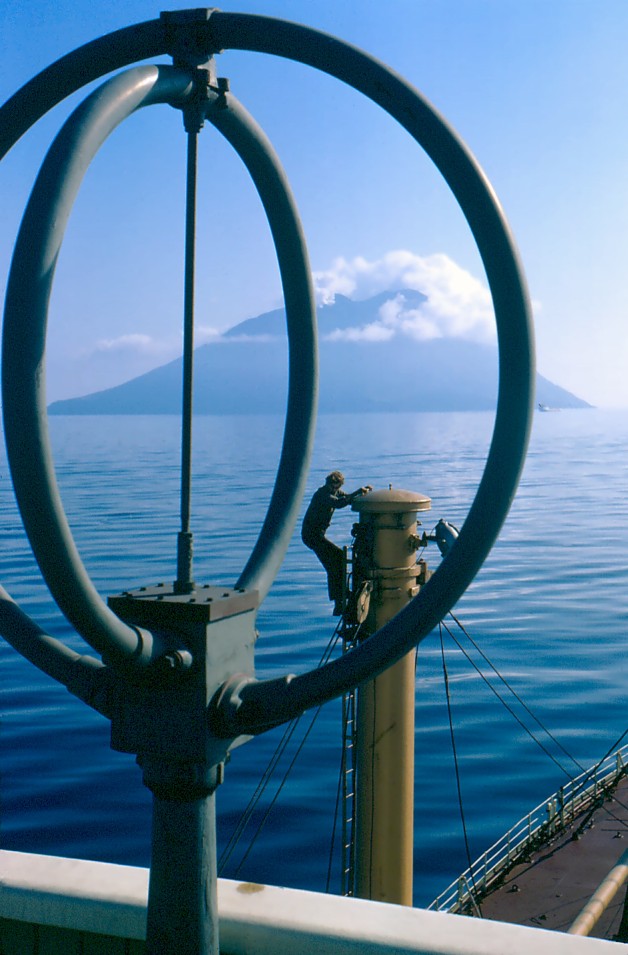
{"x":240,"y":704}
{"x":28,"y":292}
{"x":158,"y":712}
{"x":252,"y":709}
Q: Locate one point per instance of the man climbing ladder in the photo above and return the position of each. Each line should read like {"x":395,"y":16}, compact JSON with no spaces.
{"x":325,"y":501}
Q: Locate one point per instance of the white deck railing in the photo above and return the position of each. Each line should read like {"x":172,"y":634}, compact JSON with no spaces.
{"x":67,"y":895}
{"x":544,"y":821}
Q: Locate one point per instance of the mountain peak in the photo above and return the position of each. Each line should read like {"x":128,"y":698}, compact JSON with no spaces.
{"x":235,"y":376}
{"x":342,"y":313}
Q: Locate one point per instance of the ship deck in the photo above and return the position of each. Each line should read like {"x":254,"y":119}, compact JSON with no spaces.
{"x":552,"y":885}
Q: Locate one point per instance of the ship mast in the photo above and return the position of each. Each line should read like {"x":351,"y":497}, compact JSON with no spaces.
{"x":385,"y":565}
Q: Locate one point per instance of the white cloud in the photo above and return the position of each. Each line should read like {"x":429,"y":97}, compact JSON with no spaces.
{"x":458,"y":305}
{"x":367,"y":333}
{"x":141,"y":344}
{"x":247,"y":338}
{"x":204,"y":334}
{"x":135,"y":342}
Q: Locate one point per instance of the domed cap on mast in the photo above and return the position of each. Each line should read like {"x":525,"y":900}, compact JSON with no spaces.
{"x":392,"y":501}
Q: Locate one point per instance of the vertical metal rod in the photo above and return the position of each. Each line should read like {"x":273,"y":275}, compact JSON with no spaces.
{"x":184,"y":582}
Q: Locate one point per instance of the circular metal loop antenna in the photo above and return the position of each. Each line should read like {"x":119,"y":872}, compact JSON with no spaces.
{"x":24,"y":336}
{"x":258,"y":705}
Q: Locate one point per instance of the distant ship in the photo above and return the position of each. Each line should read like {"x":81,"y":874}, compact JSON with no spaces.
{"x":546,"y":408}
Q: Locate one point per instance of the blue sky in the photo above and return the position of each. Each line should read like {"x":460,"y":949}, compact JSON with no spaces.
{"x":537,"y":88}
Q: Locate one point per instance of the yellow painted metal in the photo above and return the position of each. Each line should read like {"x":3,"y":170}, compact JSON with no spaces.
{"x":386,"y":545}
{"x":601,"y":898}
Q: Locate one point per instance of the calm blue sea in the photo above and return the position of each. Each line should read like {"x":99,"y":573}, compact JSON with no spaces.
{"x":549,"y":609}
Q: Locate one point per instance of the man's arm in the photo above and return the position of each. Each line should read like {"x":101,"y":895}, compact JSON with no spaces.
{"x":342,"y":500}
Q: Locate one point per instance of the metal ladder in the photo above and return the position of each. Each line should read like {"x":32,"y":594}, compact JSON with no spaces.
{"x":349,"y":632}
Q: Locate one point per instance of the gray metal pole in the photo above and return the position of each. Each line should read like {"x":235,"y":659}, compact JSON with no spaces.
{"x":184,"y":583}
{"x":182,"y":893}
{"x":163,"y":720}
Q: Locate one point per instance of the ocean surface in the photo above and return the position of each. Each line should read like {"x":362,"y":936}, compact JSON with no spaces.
{"x":549,"y":609}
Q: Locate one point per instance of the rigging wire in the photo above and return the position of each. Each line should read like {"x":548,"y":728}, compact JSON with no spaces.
{"x":515,"y":694}
{"x":457,"y":767}
{"x":268,"y":773}
{"x":594,"y":770}
{"x":292,"y":726}
{"x":258,"y":793}
{"x":610,"y":750}
{"x":581,"y":784}
{"x":515,"y":716}
{"x":588,"y":773}
{"x":264,"y":818}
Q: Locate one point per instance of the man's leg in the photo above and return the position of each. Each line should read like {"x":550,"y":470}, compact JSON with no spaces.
{"x":332,"y":558}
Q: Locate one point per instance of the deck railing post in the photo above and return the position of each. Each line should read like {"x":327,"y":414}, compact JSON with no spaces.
{"x":461,"y":885}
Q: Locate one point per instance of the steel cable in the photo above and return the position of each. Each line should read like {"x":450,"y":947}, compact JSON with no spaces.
{"x":521,"y":723}
{"x":457,"y":767}
{"x":515,"y":694}
{"x":269,"y":772}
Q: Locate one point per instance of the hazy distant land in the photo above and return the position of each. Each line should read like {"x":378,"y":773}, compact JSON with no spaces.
{"x":245,"y":371}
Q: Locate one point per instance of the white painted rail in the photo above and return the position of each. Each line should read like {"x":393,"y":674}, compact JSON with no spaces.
{"x":262,"y":920}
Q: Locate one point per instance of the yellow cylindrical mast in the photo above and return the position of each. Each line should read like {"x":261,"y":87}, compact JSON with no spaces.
{"x":385,"y":559}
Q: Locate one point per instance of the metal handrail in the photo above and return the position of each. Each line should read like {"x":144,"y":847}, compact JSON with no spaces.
{"x":546,"y":819}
